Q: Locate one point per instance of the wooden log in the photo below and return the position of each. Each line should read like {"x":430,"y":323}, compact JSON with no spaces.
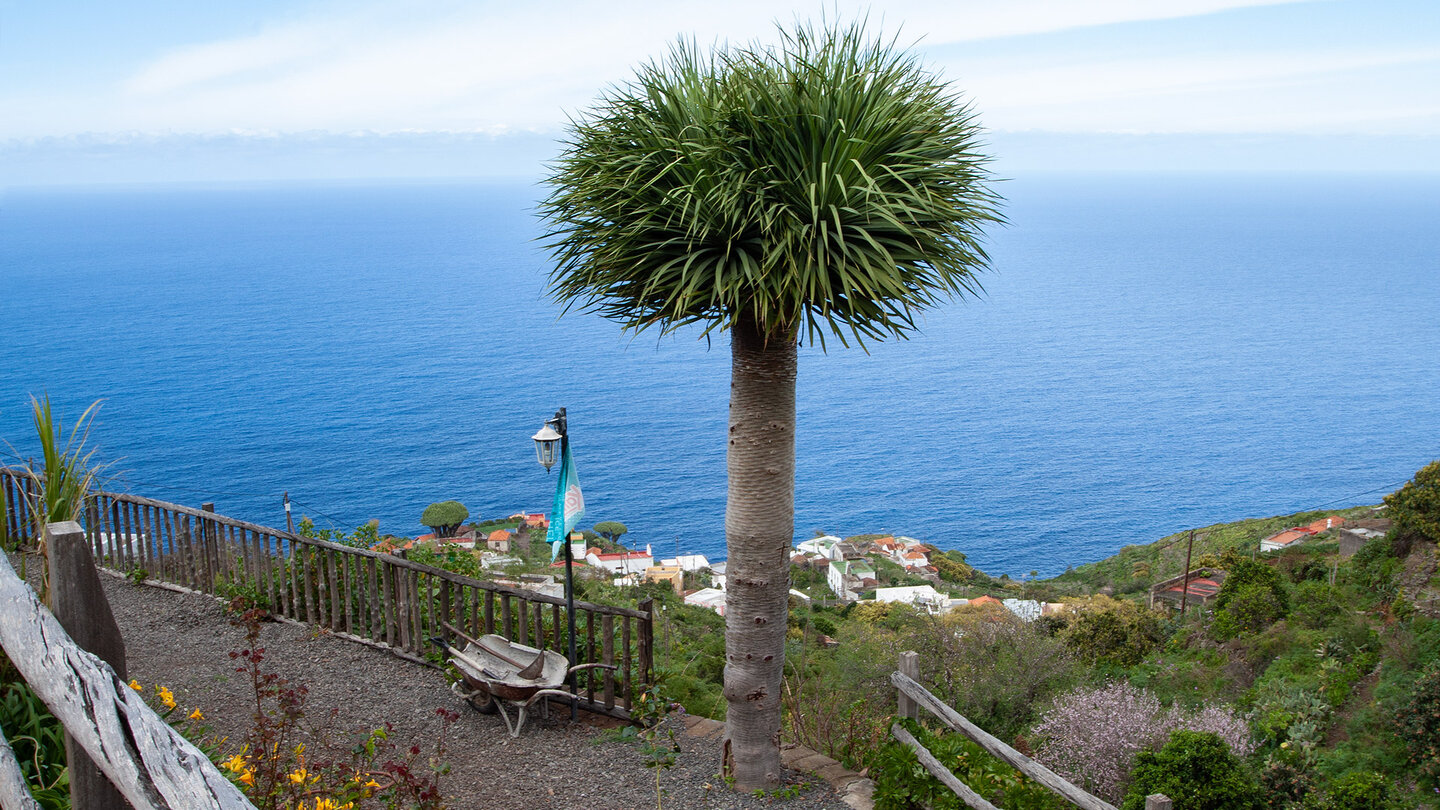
{"x":446,"y":608}
{"x":625,"y":661}
{"x":647,"y":639}
{"x":1158,"y":801}
{"x":388,"y":597}
{"x":508,"y":630}
{"x":489,"y":612}
{"x":14,"y":790}
{"x":589,"y":656}
{"x":910,"y":667}
{"x":402,"y":601}
{"x":77,"y":600}
{"x":607,"y":656}
{"x":417,"y":634}
{"x":524,"y":622}
{"x":377,"y":615}
{"x":939,"y":771}
{"x":150,"y":763}
{"x":1017,"y":760}
{"x":309,"y":574}
{"x":332,"y":578}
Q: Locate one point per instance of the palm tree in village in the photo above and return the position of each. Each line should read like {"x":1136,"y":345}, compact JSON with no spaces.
{"x":829,"y":186}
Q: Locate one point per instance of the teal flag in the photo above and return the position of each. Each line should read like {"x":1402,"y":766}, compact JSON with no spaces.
{"x":569,"y":505}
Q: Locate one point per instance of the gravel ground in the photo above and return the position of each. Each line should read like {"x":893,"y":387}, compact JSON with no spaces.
{"x":183,"y":641}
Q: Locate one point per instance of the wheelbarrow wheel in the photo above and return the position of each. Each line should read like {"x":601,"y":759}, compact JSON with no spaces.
{"x":482,"y":701}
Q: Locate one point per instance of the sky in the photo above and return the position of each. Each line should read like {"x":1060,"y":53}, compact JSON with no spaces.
{"x":152,"y":90}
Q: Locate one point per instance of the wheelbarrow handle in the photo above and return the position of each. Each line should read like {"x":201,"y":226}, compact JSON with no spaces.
{"x":579,"y":667}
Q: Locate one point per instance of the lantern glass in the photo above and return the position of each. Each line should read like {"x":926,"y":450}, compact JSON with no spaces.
{"x":547,"y":447}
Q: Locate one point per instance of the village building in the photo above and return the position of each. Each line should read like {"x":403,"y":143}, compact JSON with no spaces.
{"x":498,"y":541}
{"x":1351,"y":539}
{"x":847,"y":578}
{"x":712,"y":598}
{"x":674,"y":575}
{"x":820,"y":547}
{"x":620,"y":562}
{"x":717,"y":574}
{"x":923,"y":597}
{"x":688,"y":562}
{"x":1200,"y":587}
{"x":1027,"y":609}
{"x":1297,"y":534}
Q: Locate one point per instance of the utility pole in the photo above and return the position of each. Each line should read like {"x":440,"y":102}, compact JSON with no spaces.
{"x":1185,"y":585}
{"x":289,"y":521}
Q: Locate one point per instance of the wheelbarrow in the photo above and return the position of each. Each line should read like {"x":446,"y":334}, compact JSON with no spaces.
{"x":496,"y":671}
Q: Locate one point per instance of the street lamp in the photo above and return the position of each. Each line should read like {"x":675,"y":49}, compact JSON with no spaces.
{"x":552,"y":446}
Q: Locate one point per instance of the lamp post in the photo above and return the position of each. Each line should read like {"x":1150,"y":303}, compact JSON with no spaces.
{"x":552,"y":445}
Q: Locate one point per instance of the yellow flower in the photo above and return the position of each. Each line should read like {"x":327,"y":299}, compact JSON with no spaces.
{"x":196,"y":715}
{"x":298,"y":777}
{"x":248,"y":778}
{"x":166,"y":697}
{"x":236,"y":764}
{"x":372,"y":784}
{"x":134,"y":684}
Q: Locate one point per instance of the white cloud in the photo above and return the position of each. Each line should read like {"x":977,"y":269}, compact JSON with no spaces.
{"x":487,"y":67}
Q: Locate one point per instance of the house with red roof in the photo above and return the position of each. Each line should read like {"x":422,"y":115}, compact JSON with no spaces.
{"x":1296,"y":534}
{"x":620,"y":562}
{"x":498,"y":541}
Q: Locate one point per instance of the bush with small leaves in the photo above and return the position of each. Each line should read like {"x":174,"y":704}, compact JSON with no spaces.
{"x":1198,"y":771}
{"x":1113,"y":630}
{"x":1418,"y":723}
{"x":1415,"y":508}
{"x":1360,"y":790}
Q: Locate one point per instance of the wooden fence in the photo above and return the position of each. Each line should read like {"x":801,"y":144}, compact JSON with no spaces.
{"x":378,"y":599}
{"x":912,"y":697}
{"x":134,"y":754}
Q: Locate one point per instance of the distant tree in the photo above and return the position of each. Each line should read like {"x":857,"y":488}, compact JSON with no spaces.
{"x":444,"y":517}
{"x":1106,"y":629}
{"x":611,"y":530}
{"x":1415,"y":509}
{"x":1252,"y":598}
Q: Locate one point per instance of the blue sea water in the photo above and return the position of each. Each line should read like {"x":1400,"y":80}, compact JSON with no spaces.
{"x":1151,"y":353}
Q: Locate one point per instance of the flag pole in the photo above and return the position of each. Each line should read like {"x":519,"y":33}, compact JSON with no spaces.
{"x":564,"y":432}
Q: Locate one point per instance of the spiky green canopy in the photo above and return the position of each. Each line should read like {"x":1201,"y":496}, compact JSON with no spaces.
{"x":829,"y":184}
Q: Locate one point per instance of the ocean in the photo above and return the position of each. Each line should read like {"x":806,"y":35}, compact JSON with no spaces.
{"x":1152,"y":352}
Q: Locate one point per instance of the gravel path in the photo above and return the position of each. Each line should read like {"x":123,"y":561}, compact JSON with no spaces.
{"x":183,"y":641}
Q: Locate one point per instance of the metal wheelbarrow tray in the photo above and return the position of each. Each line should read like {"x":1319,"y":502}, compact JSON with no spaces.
{"x":494,"y":670}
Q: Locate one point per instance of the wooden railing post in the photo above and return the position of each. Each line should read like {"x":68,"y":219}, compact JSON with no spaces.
{"x":1158,"y":801}
{"x":909,"y":667}
{"x":77,"y":599}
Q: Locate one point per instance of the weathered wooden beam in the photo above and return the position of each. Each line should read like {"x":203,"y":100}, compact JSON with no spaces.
{"x":150,"y":763}
{"x":939,"y":771}
{"x":1019,"y":761}
{"x":909,"y":666}
{"x":14,"y":790}
{"x":1158,"y":801}
{"x":77,"y":600}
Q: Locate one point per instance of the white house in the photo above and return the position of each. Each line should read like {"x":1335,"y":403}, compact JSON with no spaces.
{"x":621,"y":562}
{"x":924,"y":597}
{"x":717,"y":574}
{"x":848,"y":577}
{"x":827,"y":547}
{"x":688,"y":562}
{"x":1027,"y":609}
{"x":712,"y":598}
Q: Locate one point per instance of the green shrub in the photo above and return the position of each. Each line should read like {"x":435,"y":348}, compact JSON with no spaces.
{"x":39,"y":743}
{"x":1318,"y":605}
{"x":1252,"y":598}
{"x":902,"y":783}
{"x":444,"y":517}
{"x":1418,"y":724}
{"x":1415,"y":507}
{"x":1198,"y":772}
{"x":1114,"y":631}
{"x":1360,"y":790}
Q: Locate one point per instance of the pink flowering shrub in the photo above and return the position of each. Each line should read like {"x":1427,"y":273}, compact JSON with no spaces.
{"x":1091,"y":736}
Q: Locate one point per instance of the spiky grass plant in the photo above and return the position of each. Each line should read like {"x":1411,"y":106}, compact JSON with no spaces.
{"x":66,"y":480}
